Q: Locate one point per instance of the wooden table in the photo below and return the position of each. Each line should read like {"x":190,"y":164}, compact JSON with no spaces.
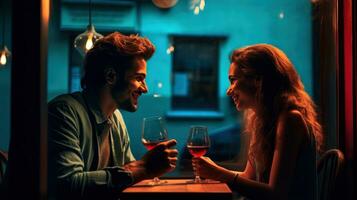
{"x":178,"y":189}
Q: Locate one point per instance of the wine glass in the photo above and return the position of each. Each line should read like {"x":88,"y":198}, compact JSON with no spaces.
{"x":153,"y":133}
{"x":198,"y":143}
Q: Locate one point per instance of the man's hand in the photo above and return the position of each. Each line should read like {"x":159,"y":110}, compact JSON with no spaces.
{"x":161,"y":159}
{"x":156,"y":162}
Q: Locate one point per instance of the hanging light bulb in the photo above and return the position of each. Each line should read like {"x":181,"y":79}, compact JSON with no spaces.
{"x":89,"y":43}
{"x":4,"y":55}
{"x":85,"y":41}
{"x":4,"y":52}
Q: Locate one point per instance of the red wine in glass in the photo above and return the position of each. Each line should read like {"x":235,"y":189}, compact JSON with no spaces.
{"x":197,"y":151}
{"x":198,"y":143}
{"x":149,"y":145}
{"x":153,"y":133}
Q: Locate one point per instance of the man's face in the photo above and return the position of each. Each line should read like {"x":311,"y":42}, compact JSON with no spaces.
{"x":127,"y":92}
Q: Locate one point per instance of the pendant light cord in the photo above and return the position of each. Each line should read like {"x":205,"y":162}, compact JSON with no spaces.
{"x":3,"y":29}
{"x":90,"y":11}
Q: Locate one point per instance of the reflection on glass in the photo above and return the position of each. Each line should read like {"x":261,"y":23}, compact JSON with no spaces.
{"x":153,"y":132}
{"x":198,"y":143}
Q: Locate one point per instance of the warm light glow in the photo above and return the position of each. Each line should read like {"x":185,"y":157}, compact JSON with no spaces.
{"x":86,"y":40}
{"x":197,"y":6}
{"x":202,"y":4}
{"x":3,"y":58}
{"x":197,"y":10}
{"x":5,"y":54}
{"x":45,"y":10}
{"x":89,"y":43}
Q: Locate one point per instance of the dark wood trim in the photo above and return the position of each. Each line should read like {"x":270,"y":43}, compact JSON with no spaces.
{"x":346,"y":105}
{"x":340,"y":79}
{"x":325,"y":47}
{"x":354,"y":68}
{"x":345,"y":75}
{"x":27,"y":166}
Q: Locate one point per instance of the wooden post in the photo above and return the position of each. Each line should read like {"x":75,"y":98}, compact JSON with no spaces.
{"x":27,"y":166}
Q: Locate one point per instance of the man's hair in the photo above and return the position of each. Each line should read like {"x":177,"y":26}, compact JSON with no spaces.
{"x":115,"y":51}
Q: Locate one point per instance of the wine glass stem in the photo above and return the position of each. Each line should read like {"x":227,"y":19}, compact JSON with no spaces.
{"x":197,"y":179}
{"x":156,"y":180}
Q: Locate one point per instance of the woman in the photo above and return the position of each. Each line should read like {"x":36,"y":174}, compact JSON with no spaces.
{"x":281,"y":118}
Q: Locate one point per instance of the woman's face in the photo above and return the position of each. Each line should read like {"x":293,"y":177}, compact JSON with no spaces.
{"x":241,"y":90}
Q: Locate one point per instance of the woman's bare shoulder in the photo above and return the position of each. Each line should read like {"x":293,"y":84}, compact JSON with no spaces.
{"x":292,"y":123}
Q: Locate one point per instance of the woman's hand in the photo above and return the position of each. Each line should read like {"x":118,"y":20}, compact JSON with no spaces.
{"x":206,"y":168}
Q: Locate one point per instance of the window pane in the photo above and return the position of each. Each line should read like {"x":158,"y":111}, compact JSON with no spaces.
{"x":195,"y":73}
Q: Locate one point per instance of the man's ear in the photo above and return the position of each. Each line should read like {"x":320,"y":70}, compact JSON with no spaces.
{"x":110,"y":76}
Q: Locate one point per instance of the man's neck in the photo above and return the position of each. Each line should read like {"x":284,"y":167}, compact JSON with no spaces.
{"x":105,"y":101}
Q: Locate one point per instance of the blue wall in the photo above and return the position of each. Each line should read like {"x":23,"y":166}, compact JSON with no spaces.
{"x":58,"y":55}
{"x":243,"y":22}
{"x":5,"y":78}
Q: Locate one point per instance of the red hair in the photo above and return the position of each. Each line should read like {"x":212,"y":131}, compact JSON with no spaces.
{"x":114,"y":50}
{"x":278,"y":89}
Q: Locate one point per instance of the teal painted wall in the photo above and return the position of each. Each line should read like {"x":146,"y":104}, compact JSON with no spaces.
{"x":5,"y":78}
{"x":58,"y":55}
{"x":243,"y":22}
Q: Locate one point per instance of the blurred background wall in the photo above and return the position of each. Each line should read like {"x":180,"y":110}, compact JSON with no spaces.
{"x":229,"y":24}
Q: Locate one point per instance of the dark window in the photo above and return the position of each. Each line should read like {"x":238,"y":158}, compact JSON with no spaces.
{"x":195,"y":73}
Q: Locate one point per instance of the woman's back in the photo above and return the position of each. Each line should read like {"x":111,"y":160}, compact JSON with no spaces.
{"x":304,"y":182}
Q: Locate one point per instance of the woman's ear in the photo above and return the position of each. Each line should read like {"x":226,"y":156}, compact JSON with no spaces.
{"x":110,"y":76}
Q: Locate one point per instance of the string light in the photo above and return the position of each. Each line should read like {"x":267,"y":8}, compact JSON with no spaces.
{"x":197,"y":6}
{"x":84,"y":42}
{"x":4,"y":52}
{"x":4,"y":55}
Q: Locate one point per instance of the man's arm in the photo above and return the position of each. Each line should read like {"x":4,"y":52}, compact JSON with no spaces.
{"x":66,"y":162}
{"x":156,"y":162}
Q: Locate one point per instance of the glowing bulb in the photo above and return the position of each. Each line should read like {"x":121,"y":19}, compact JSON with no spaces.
{"x":5,"y":54}
{"x":3,"y":58}
{"x":202,"y":4}
{"x":86,"y":40}
{"x":197,"y":6}
{"x":197,"y":10}
{"x":89,"y":43}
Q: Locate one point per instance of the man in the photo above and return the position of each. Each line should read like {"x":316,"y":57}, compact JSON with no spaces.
{"x":89,"y":154}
